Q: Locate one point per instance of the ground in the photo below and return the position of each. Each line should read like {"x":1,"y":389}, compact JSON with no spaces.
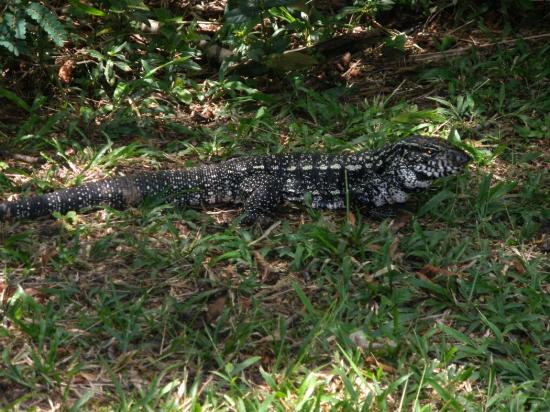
{"x":444,"y":308}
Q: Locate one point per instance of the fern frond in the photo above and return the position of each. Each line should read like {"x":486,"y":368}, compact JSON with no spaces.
{"x":5,"y":42}
{"x":9,"y":21}
{"x":49,"y":23}
{"x":21,"y":29}
{"x":11,"y":25}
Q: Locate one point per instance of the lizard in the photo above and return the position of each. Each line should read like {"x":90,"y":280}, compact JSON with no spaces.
{"x":374,"y":179}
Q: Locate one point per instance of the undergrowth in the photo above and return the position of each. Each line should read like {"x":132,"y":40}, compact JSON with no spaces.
{"x":160,"y":308}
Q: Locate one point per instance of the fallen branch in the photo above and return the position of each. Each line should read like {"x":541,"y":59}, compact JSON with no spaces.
{"x":309,"y":56}
{"x":436,"y":56}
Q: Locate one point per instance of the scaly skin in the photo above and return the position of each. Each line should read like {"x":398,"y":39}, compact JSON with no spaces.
{"x":371,"y":178}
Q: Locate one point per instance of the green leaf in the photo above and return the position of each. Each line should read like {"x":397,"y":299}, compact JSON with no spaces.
{"x":14,"y":98}
{"x":249,"y":11}
{"x":435,"y":202}
{"x":77,"y":406}
{"x":20,"y":29}
{"x":494,"y":328}
{"x":17,"y":26}
{"x":48,"y":22}
{"x":86,"y":9}
{"x":184,"y":95}
{"x":459,"y":336}
{"x":9,"y":45}
{"x":305,"y":300}
{"x":109,"y":72}
{"x":454,"y":137}
{"x":182,"y":60}
{"x":120,"y":91}
{"x":397,"y":42}
{"x":290,"y":61}
{"x":96,"y":55}
{"x":447,"y":42}
{"x":444,"y":394}
{"x":418,"y":116}
{"x":137,"y":5}
{"x":237,"y":369}
{"x":123,"y":66}
{"x":9,"y":20}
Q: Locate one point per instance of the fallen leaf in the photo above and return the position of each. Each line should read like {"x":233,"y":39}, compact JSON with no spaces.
{"x":47,"y":255}
{"x":351,"y":219}
{"x":346,"y":59}
{"x":518,"y":266}
{"x":373,"y":247}
{"x":401,"y":221}
{"x":215,"y":308}
{"x":432,"y":271}
{"x":423,"y":277}
{"x":371,"y":360}
{"x":359,"y":338}
{"x":36,"y":294}
{"x":66,"y":70}
{"x":384,"y":271}
{"x":263,"y":266}
{"x":393,"y":247}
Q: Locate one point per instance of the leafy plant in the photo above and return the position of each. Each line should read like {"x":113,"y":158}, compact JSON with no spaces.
{"x":19,"y":16}
{"x":251,"y":11}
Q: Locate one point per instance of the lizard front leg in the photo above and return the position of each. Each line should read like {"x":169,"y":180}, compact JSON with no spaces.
{"x":262,"y":194}
{"x":378,"y":200}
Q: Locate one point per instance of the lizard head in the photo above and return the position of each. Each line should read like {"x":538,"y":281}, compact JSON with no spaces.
{"x":417,"y":161}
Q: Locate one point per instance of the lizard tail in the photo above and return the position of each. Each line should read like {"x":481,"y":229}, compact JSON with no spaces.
{"x":119,"y":192}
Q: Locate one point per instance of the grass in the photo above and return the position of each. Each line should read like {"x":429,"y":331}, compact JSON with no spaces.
{"x":168,"y":309}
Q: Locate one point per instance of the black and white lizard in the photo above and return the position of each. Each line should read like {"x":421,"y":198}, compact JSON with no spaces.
{"x":260,"y":183}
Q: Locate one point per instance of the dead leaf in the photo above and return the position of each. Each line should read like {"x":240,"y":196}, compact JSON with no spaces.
{"x":351,"y":219}
{"x":62,"y":351}
{"x":47,"y":255}
{"x":182,"y":229}
{"x":66,"y":70}
{"x":84,"y":377}
{"x":215,"y":308}
{"x":393,"y":247}
{"x":346,"y":59}
{"x":518,"y":266}
{"x":359,"y":338}
{"x":423,"y":277}
{"x":371,"y":360}
{"x":433,"y":271}
{"x":245,"y":304}
{"x":5,"y":292}
{"x":401,"y":221}
{"x":383,"y":271}
{"x":263,"y":265}
{"x":373,"y":247}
